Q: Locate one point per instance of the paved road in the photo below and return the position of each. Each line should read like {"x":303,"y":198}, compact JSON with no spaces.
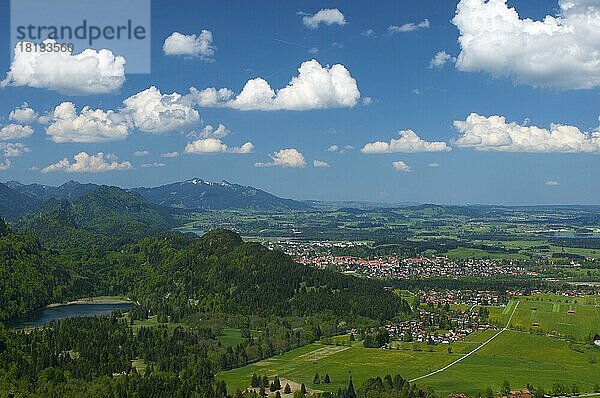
{"x":471,"y":352}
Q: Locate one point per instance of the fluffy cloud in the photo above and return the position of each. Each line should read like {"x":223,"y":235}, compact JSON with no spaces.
{"x":141,"y":153}
{"x":211,"y":132}
{"x":401,"y":166}
{"x":494,"y":134}
{"x":153,"y":112}
{"x":551,"y":183}
{"x":169,"y":155}
{"x":11,"y":150}
{"x":408,"y":27}
{"x":211,"y":96}
{"x":23,"y":114}
{"x":315,"y":87}
{"x":190,"y":45}
{"x":561,"y":51}
{"x":85,"y":163}
{"x":408,"y":142}
{"x":91,"y":125}
{"x":285,"y":158}
{"x":210,"y":142}
{"x":215,"y":145}
{"x":89,"y":72}
{"x":325,"y":16}
{"x":5,"y":165}
{"x":338,"y":149}
{"x":434,"y":164}
{"x":320,"y":164}
{"x":440,"y":59}
{"x":15,"y":132}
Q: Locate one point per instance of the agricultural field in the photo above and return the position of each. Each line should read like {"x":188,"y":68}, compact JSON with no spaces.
{"x":518,"y":357}
{"x":510,"y":233}
{"x":558,"y":315}
{"x":233,"y":337}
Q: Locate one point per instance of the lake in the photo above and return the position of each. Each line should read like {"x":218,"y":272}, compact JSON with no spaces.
{"x":44,"y":315}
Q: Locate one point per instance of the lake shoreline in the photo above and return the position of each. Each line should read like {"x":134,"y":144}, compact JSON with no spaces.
{"x":92,"y":300}
{"x":86,"y":307}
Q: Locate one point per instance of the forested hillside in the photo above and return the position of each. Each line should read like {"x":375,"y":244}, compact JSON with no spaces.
{"x":101,"y":219}
{"x":111,"y":241}
{"x":30,"y":276}
{"x":177,"y":279}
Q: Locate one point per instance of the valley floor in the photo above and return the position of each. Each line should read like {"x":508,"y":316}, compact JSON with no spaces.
{"x":518,"y":357}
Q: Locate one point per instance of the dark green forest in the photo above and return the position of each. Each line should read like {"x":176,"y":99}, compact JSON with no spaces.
{"x":111,"y":242}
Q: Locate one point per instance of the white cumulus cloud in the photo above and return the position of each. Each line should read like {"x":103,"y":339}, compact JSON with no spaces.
{"x":157,"y":113}
{"x":315,"y":87}
{"x":401,"y":166}
{"x":495,"y":134}
{"x":90,"y":125}
{"x":285,"y":158}
{"x":325,"y":16}
{"x":89,"y":72}
{"x":85,"y":163}
{"x":15,"y":150}
{"x":23,"y":114}
{"x":169,"y":155}
{"x":215,"y":145}
{"x":214,"y":132}
{"x":210,"y":97}
{"x":560,"y":51}
{"x":551,"y":183}
{"x":320,"y":164}
{"x":5,"y":165}
{"x":409,"y":142}
{"x":15,"y":131}
{"x":440,"y":59}
{"x":339,"y":149}
{"x":190,"y":45}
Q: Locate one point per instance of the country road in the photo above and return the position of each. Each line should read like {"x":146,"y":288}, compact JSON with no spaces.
{"x":473,"y":351}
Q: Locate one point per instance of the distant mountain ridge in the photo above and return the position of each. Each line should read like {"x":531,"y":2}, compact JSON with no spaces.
{"x":106,"y":213}
{"x":13,"y":203}
{"x":70,"y":190}
{"x":195,"y":194}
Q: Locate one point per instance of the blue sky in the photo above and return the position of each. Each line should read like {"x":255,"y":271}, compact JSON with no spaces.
{"x":392,"y":71}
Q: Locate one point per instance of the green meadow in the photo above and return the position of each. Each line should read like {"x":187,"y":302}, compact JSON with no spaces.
{"x":557,"y":315}
{"x":232,"y":336}
{"x":518,"y":357}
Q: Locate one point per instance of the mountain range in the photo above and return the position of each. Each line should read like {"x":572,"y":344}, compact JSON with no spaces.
{"x":196,"y":194}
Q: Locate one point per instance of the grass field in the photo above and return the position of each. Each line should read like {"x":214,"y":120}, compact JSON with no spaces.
{"x":465,"y":253}
{"x":233,"y":336}
{"x":152,"y":322}
{"x":518,"y":357}
{"x":576,"y":317}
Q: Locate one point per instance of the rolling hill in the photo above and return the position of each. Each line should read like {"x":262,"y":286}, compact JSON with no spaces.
{"x":197,"y":194}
